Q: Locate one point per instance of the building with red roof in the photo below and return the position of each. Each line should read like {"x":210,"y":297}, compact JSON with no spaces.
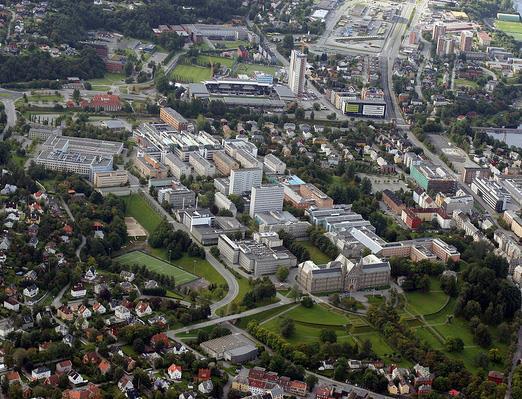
{"x":106,"y":102}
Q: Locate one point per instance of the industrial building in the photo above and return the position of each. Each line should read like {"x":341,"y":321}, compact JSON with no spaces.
{"x":268,"y":197}
{"x":235,"y":348}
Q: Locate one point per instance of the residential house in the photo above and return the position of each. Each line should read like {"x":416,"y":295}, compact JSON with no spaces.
{"x":78,"y":291}
{"x":84,"y":311}
{"x":125,"y":383}
{"x":64,"y":367}
{"x":143,"y":309}
{"x":13,"y":377}
{"x":40,"y":373}
{"x":12,"y":304}
{"x":174,"y":372}
{"x":121,"y":312}
{"x":75,"y":378}
{"x":64,"y":312}
{"x":91,"y":358}
{"x":31,"y":291}
{"x":104,"y":367}
{"x":99,"y":308}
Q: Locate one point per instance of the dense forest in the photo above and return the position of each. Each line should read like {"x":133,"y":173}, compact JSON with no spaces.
{"x":73,"y":19}
{"x":41,"y":66}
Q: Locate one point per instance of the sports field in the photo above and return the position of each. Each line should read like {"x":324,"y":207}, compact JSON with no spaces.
{"x":513,"y":29}
{"x":190,"y":73}
{"x":156,"y":265}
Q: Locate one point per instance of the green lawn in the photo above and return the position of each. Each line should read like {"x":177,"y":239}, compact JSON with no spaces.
{"x":190,"y":73}
{"x":230,"y":44}
{"x":466,"y":83}
{"x":204,"y":59}
{"x":199,"y":267}
{"x":138,"y":208}
{"x":316,"y":255}
{"x":263,"y":316}
{"x":425,"y":303}
{"x":44,"y":98}
{"x":513,"y":29}
{"x":317,"y":314}
{"x":108,"y":80}
{"x":248,"y":69}
{"x":156,"y":265}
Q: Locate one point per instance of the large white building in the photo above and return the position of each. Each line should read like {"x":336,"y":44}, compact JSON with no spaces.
{"x":266,"y":198}
{"x":242,"y":180}
{"x":296,"y":73}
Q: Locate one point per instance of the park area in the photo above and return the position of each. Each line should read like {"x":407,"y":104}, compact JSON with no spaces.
{"x":157,"y":266}
{"x":513,"y":29}
{"x":138,"y":209}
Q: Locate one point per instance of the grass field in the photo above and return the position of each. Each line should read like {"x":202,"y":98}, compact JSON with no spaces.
{"x":425,"y":303}
{"x":190,"y":73}
{"x":44,"y":98}
{"x":513,"y":29}
{"x":108,"y":80}
{"x":204,"y":59}
{"x":230,"y":44}
{"x":138,"y":208}
{"x":466,"y":83}
{"x":156,"y":265}
{"x":316,"y":254}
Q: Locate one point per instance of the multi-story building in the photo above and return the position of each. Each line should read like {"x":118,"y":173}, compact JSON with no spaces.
{"x":247,"y":160}
{"x":337,"y":218}
{"x":111,"y":179}
{"x":463,"y":222}
{"x":274,"y":165}
{"x":177,"y":196}
{"x":492,"y":193}
{"x":232,"y":146}
{"x":263,"y":255}
{"x":304,"y":196}
{"x":176,"y":166}
{"x":461,"y":202}
{"x":83,"y":164}
{"x":201,"y":166}
{"x":149,"y":167}
{"x":275,"y":221}
{"x":105,"y":102}
{"x":439,"y":29}
{"x":242,"y":180}
{"x":173,"y":118}
{"x":445,"y":46}
{"x":224,"y":163}
{"x":82,"y":145}
{"x":469,"y":173}
{"x":296,"y":72}
{"x":392,"y":201}
{"x":466,"y":41}
{"x":342,"y":274}
{"x":223,"y":202}
{"x":432,"y":178}
{"x":260,"y":382}
{"x":264,"y":198}
{"x":514,"y":221}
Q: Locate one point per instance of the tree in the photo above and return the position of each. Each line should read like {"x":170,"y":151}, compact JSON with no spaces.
{"x":311,"y":380}
{"x":307,"y":302}
{"x":482,"y":335}
{"x":76,"y":96}
{"x":288,"y":42}
{"x":299,"y":113}
{"x":138,"y":345}
{"x":287,"y":327}
{"x":282,"y":273}
{"x":455,"y":345}
{"x":327,"y":335}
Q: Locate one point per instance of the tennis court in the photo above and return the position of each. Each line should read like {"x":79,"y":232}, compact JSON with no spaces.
{"x":156,"y":265}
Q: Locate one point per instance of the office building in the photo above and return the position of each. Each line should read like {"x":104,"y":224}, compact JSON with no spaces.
{"x":462,"y":202}
{"x":247,"y":160}
{"x":232,"y":146}
{"x":275,"y":221}
{"x":235,"y":348}
{"x":274,"y":165}
{"x":242,"y":180}
{"x":514,"y":221}
{"x":83,"y":146}
{"x":42,"y":132}
{"x":337,"y":218}
{"x":111,"y":179}
{"x":342,"y":274}
{"x":296,"y":73}
{"x":432,"y":178}
{"x":463,"y":222}
{"x":224,"y":163}
{"x":304,"y":196}
{"x":177,"y":196}
{"x":176,"y":166}
{"x":469,"y":173}
{"x":262,"y":255}
{"x":466,"y":41}
{"x":149,"y":167}
{"x":70,"y":161}
{"x":173,"y":118}
{"x":439,"y":29}
{"x":201,"y":166}
{"x":223,"y":202}
{"x":266,"y":198}
{"x":492,"y":193}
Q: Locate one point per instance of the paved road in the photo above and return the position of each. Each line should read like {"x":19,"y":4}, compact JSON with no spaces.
{"x":8,"y":98}
{"x":57,"y":301}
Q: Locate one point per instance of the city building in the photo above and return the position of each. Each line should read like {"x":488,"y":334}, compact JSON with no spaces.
{"x":342,"y":274}
{"x":223,"y":202}
{"x":258,"y":381}
{"x":224,"y":163}
{"x":306,"y":195}
{"x":235,"y":348}
{"x":276,"y":221}
{"x":83,"y":145}
{"x":242,"y":180}
{"x":492,"y":193}
{"x":514,"y":221}
{"x":432,"y":178}
{"x":177,"y":167}
{"x":149,"y":167}
{"x":371,"y":108}
{"x":445,"y":46}
{"x":392,"y":201}
{"x":469,"y":173}
{"x":337,"y":218}
{"x":113,"y":178}
{"x":466,"y":41}
{"x":439,"y":29}
{"x":274,"y":165}
{"x":264,"y":198}
{"x":262,"y":255}
{"x":296,"y":72}
{"x":177,"y":196}
{"x":173,"y":118}
{"x":461,"y":202}
{"x":463,"y":222}
{"x":201,"y":166}
{"x":84,"y":164}
{"x":105,"y":102}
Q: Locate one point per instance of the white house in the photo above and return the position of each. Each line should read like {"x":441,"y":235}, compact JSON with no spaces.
{"x":75,"y":378}
{"x":78,"y":291}
{"x":90,"y":275}
{"x":31,"y":291}
{"x":126,"y":275}
{"x":40,"y":373}
{"x":12,"y":304}
{"x":84,"y":312}
{"x":99,"y":308}
{"x":178,"y":348}
{"x":125,"y":383}
{"x":174,"y":372}
{"x":143,"y":309}
{"x":121,"y":312}
{"x":206,"y":387}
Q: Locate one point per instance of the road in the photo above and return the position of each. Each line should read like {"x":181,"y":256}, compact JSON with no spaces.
{"x":516,"y":356}
{"x":8,"y":98}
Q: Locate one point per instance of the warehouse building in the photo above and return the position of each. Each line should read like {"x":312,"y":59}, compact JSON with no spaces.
{"x":235,"y":348}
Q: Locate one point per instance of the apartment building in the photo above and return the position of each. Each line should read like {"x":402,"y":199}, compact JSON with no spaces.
{"x":264,"y":198}
{"x":173,"y":118}
{"x":492,"y":193}
{"x":111,"y":179}
{"x":514,"y":221}
{"x":392,"y":201}
{"x":176,"y":166}
{"x":202,"y":167}
{"x":224,"y":163}
{"x":242,"y":180}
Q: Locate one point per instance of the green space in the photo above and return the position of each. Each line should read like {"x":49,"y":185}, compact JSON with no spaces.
{"x":513,"y":29}
{"x":191,"y":73}
{"x":37,"y":97}
{"x":108,"y":80}
{"x":196,"y":266}
{"x":248,"y":69}
{"x":230,"y":44}
{"x":425,"y":303}
{"x":316,"y":255}
{"x":317,"y":314}
{"x":156,"y":265}
{"x":466,"y":83}
{"x":139,"y":209}
{"x":204,"y":59}
{"x":263,"y":316}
